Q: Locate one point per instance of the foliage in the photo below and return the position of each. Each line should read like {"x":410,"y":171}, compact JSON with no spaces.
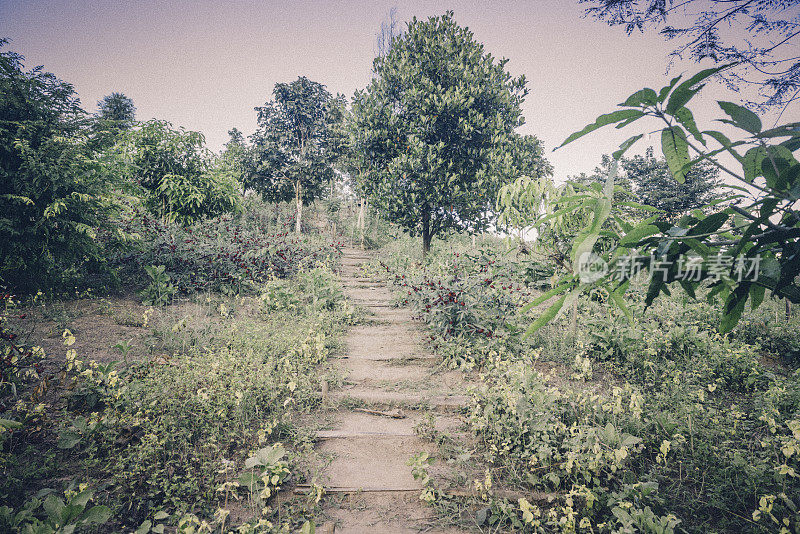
{"x":159,"y":291}
{"x":60,"y":517}
{"x":655,"y":186}
{"x":19,"y":363}
{"x":182,"y":181}
{"x":52,"y":190}
{"x":174,"y":434}
{"x":227,"y":254}
{"x":468,"y":296}
{"x":295,"y":144}
{"x":663,"y":424}
{"x":736,"y":233}
{"x":756,"y":35}
{"x":115,"y":115}
{"x":117,"y":108}
{"x":267,"y":471}
{"x":438,"y":129}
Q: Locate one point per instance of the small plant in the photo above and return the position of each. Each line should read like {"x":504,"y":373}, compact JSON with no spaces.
{"x":267,"y":471}
{"x":160,"y":291}
{"x":124,"y":347}
{"x":420,"y":463}
{"x":60,"y":516}
{"x":152,"y":526}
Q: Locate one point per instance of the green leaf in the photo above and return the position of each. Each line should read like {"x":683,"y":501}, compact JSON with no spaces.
{"x":741,"y":117}
{"x":8,"y":423}
{"x":712,"y":223}
{"x":792,"y":144}
{"x":546,"y":296}
{"x":662,"y":94}
{"x":756,"y":295}
{"x":777,"y":167}
{"x":547,"y":316}
{"x":751,"y":163}
{"x":644,"y":96}
{"x":656,"y":286}
{"x":685,"y":117}
{"x":734,"y":306}
{"x":725,"y":142}
{"x":97,"y":515}
{"x":680,"y":97}
{"x":619,"y":300}
{"x":584,"y":242}
{"x":603,"y":120}
{"x":54,"y":506}
{"x":785,"y":130}
{"x":81,"y":499}
{"x":676,"y":151}
{"x":250,"y":480}
{"x":638,"y":233}
{"x":626,"y":145}
{"x":686,"y":90}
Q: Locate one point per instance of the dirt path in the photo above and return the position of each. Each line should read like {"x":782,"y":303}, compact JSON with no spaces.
{"x":369,"y":485}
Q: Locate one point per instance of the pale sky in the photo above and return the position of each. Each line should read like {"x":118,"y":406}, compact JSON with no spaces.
{"x":205,"y":65}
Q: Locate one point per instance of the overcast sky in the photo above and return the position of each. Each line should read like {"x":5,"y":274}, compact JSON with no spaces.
{"x":206,"y":64}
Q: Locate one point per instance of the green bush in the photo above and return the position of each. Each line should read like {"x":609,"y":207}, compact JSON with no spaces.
{"x":53,"y":190}
{"x":182,"y":181}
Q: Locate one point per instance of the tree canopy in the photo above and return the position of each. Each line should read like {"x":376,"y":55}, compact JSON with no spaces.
{"x":759,"y":36}
{"x":654,"y":185}
{"x":296,"y":143}
{"x":439,"y":124}
{"x":51,"y":189}
{"x":182,"y":180}
{"x":118,"y":108}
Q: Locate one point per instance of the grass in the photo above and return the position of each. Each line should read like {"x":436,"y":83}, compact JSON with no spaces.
{"x":662,"y":424}
{"x":155,"y":410}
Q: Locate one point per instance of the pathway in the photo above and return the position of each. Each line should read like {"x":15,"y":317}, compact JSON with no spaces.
{"x":369,"y":486}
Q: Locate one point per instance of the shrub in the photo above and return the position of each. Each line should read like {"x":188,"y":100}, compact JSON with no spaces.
{"x":182,"y":181}
{"x":227,"y":254}
{"x":52,"y":189}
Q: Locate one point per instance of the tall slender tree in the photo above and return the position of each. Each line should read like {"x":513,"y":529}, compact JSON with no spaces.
{"x":295,"y":144}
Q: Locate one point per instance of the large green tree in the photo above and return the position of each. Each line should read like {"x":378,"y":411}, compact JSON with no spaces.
{"x":439,"y":124}
{"x":52,"y":191}
{"x":296,"y":144}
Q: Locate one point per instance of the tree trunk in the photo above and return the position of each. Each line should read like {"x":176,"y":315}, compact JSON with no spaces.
{"x":298,"y":198}
{"x":426,"y":233}
{"x":360,"y":223}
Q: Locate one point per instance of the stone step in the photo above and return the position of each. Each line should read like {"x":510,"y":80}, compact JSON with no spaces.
{"x":341,"y":434}
{"x":395,"y":398}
